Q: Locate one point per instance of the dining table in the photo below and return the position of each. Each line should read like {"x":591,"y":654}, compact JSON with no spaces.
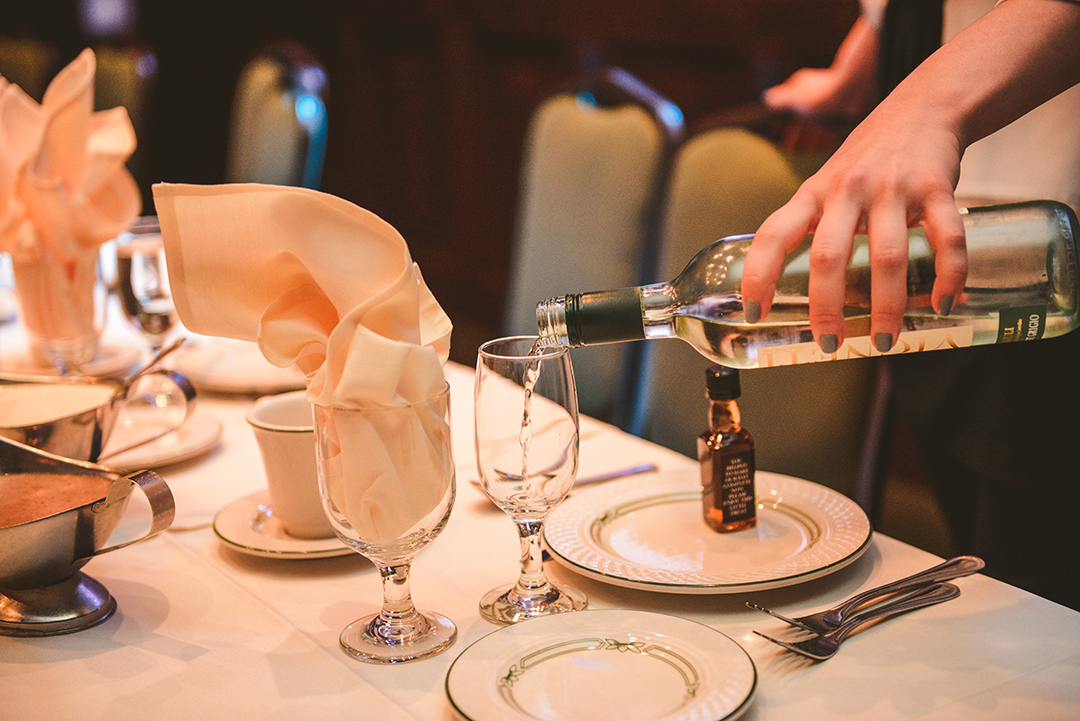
{"x":207,"y":630}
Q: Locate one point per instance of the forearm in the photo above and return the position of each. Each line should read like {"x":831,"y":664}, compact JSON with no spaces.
{"x":1013,"y":59}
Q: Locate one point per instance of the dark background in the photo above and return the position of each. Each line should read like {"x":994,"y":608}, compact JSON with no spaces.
{"x":429,"y":99}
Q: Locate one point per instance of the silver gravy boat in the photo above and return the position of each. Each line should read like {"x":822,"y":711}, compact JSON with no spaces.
{"x":42,"y":590}
{"x":83,"y":435}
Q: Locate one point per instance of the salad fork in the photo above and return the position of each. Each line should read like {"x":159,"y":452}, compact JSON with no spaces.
{"x":825,"y":646}
{"x":825,"y":621}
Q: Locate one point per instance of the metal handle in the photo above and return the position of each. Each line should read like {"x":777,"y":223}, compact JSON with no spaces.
{"x":934,"y":593}
{"x":953,"y":568}
{"x":188,"y":393}
{"x":162,"y":504}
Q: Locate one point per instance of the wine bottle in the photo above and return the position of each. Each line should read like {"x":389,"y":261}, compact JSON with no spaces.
{"x":1022,"y":284}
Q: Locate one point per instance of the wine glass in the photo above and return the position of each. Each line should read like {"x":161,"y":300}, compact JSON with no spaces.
{"x":527,"y":456}
{"x":386,"y":478}
{"x":142,"y":282}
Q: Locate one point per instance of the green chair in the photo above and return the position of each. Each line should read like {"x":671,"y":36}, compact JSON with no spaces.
{"x":809,"y":421}
{"x":594,"y":169}
{"x":278,"y":125}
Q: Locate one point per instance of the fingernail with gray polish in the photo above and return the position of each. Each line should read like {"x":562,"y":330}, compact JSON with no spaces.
{"x":946,"y":304}
{"x":753,"y":312}
{"x":828,"y":343}
{"x":883,"y":342}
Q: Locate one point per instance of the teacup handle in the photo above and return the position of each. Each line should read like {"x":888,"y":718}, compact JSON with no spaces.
{"x":162,"y":504}
{"x":188,"y":390}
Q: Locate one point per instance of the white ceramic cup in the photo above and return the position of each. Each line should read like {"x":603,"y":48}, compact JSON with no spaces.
{"x":284,"y":430}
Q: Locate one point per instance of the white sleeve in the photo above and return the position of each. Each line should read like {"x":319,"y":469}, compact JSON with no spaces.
{"x":872,"y":11}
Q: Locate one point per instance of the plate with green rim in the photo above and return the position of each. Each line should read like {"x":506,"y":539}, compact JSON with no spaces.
{"x":603,"y":665}
{"x":649,"y":534}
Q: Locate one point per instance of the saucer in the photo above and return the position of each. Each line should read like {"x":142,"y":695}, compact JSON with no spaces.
{"x":111,"y":360}
{"x":245,"y":526}
{"x":222,"y":365}
{"x":195,"y":436}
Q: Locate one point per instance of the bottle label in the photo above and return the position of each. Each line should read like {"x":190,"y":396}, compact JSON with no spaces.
{"x":1020,"y":324}
{"x":913,"y":341}
{"x":734,"y":487}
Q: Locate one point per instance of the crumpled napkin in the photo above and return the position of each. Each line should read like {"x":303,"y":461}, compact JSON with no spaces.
{"x":64,"y":190}
{"x":329,"y":286}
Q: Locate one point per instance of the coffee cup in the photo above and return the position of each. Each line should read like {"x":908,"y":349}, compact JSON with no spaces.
{"x":284,"y":429}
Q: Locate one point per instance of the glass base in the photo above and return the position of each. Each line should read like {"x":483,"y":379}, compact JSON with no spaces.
{"x":504,"y":605}
{"x":66,"y":355}
{"x":366,"y":639}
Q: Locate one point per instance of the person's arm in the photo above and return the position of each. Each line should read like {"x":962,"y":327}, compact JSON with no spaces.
{"x":844,"y":89}
{"x":899,"y":167}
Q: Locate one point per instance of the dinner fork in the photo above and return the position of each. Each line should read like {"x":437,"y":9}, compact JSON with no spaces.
{"x":825,"y":621}
{"x":825,"y":646}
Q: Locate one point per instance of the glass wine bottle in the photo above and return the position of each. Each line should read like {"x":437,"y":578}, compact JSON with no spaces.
{"x":1022,"y":284}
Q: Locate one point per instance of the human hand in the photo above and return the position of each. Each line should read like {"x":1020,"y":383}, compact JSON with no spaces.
{"x":896,"y":170}
{"x":844,"y":90}
{"x":812,"y":92}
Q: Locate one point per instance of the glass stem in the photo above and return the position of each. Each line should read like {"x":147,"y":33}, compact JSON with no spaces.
{"x":532,"y":582}
{"x":398,"y":621}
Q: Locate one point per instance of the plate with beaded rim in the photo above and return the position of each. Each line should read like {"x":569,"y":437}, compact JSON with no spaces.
{"x":648,"y":533}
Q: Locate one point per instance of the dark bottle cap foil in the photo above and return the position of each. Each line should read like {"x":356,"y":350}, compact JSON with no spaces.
{"x":722,"y":383}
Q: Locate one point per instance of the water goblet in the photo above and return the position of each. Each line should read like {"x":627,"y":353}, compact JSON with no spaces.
{"x":142,"y":282}
{"x":526,"y":420}
{"x":386,"y":478}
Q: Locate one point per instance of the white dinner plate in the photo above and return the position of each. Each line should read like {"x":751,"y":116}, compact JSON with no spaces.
{"x":197,"y":435}
{"x":601,"y":666}
{"x":648,"y":533}
{"x":248,"y":525}
{"x":222,"y":365}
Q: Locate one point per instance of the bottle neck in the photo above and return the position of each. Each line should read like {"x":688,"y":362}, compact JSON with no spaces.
{"x":724,"y":416}
{"x":610,"y":316}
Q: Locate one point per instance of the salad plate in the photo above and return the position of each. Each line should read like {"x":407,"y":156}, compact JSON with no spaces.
{"x":600,"y":665}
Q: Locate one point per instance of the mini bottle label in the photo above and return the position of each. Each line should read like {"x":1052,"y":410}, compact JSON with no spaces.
{"x":912,"y":341}
{"x":733,"y":486}
{"x":1020,"y":324}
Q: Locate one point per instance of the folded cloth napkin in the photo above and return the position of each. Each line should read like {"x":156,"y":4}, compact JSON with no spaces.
{"x":64,"y":190}
{"x":329,"y":286}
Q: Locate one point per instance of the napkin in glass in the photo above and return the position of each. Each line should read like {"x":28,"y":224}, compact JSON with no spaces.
{"x":64,"y":190}
{"x":331,"y":287}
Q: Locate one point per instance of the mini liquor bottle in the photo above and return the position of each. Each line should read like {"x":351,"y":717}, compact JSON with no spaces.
{"x":726,"y":453}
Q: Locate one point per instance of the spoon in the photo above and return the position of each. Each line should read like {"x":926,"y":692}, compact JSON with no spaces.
{"x":153,"y":362}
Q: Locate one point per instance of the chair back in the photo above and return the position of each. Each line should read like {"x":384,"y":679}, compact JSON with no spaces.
{"x":594,"y":166}
{"x":28,"y":63}
{"x":127,"y":77}
{"x":807,"y":421}
{"x":278,"y":126}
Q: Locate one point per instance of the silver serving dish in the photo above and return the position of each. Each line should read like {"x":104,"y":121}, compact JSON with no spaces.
{"x":82,"y":435}
{"x":42,"y":590}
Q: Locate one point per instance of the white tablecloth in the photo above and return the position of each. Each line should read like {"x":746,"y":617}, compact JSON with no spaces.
{"x":204,"y":632}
